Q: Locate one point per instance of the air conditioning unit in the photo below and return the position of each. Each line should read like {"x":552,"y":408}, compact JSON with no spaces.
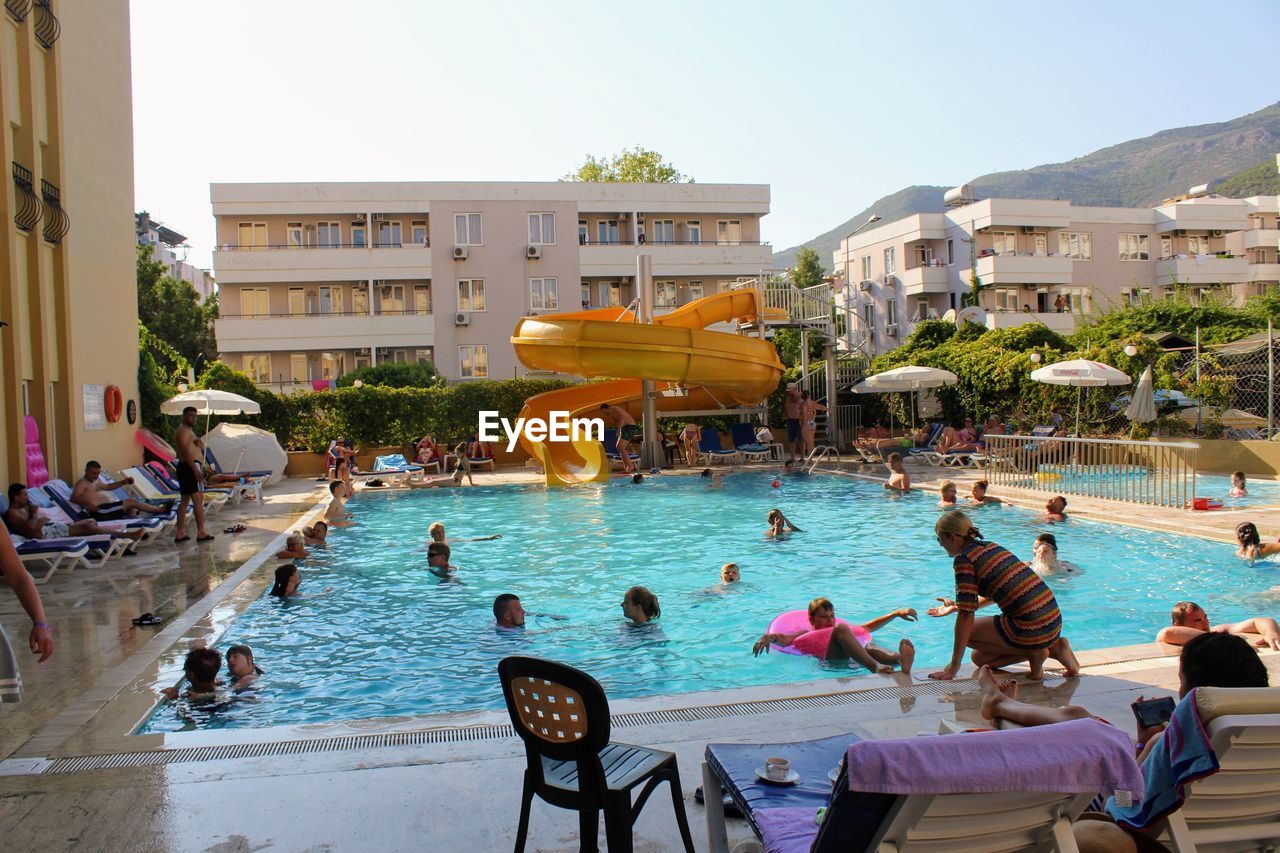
{"x":460,"y":253}
{"x":624,"y":215}
{"x":865,"y":285}
{"x":379,"y":216}
{"x":1217,"y":232}
{"x":386,"y":291}
{"x":1028,"y":229}
{"x":358,"y":217}
{"x":1181,"y":232}
{"x":462,"y":318}
{"x":888,"y":279}
{"x":362,"y":351}
{"x":534,"y":252}
{"x":1028,"y":287}
{"x":640,"y":218}
{"x":625,"y":280}
{"x":891,"y":330}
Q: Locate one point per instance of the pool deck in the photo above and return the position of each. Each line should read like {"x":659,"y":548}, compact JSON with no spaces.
{"x":448,"y":783}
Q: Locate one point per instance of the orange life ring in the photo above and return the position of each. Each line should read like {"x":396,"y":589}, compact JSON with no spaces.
{"x":114,"y":403}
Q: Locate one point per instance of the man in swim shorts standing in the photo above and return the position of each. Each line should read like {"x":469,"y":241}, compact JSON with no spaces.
{"x":793,"y":405}
{"x":190,"y":482}
{"x":627,"y":433}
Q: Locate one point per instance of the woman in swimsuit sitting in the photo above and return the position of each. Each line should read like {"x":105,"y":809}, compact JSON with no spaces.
{"x":832,"y":640}
{"x":1251,"y":544}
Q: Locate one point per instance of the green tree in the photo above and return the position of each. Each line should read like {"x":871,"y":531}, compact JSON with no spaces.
{"x":391,"y":375}
{"x":631,"y":166}
{"x":808,"y":271}
{"x":172,"y":311}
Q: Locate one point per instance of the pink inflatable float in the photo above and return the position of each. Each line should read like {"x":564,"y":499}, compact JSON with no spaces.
{"x":157,"y":445}
{"x":814,"y":642}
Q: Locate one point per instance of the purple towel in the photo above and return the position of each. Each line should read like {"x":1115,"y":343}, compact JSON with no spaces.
{"x":787,"y":830}
{"x":1080,"y":756}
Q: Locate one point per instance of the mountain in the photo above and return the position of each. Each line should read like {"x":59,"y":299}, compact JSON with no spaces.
{"x":1137,"y":173}
{"x":1262,"y":179}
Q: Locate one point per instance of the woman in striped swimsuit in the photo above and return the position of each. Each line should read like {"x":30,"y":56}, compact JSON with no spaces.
{"x":1029,"y":626}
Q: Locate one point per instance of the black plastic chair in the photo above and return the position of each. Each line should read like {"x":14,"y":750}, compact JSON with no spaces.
{"x":562,"y":715}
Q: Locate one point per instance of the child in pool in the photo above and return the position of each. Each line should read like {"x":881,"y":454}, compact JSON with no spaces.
{"x":241,"y":668}
{"x":729,"y":573}
{"x":1046,"y":562}
{"x":948,"y":491}
{"x":899,"y":479}
{"x":316,"y":534}
{"x":832,"y":640}
{"x":438,"y":562}
{"x":200,"y":669}
{"x":640,"y":606}
{"x":437,"y":534}
{"x":780,"y":525}
{"x":979,"y":496}
{"x":1238,"y":487}
{"x":1251,"y":545}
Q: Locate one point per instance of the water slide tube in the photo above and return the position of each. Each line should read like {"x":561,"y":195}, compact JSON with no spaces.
{"x":717,"y":369}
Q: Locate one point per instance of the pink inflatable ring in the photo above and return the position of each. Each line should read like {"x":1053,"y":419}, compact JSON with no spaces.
{"x":815,"y":642}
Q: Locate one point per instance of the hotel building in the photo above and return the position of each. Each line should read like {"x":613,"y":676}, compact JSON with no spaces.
{"x":316,"y":280}
{"x":170,"y":248}
{"x":68,"y":289}
{"x":1050,"y":261}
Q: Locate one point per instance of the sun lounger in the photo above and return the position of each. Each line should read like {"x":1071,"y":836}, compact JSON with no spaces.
{"x":60,"y":492}
{"x":251,"y":475}
{"x":167,"y":478}
{"x":743,"y":437}
{"x":53,"y":554}
{"x":709,"y":450}
{"x":147,"y":486}
{"x":53,"y":510}
{"x":611,"y":448}
{"x":394,"y":465}
{"x":249,"y":487}
{"x":478,"y":461}
{"x":1000,"y":790}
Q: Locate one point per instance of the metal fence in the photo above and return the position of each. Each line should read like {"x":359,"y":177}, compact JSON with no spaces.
{"x":1154,"y":473}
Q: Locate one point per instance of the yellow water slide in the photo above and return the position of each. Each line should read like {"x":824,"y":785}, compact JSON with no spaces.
{"x":717,"y":369}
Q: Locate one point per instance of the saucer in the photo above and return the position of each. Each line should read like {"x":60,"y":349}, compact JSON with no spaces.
{"x":792,"y":777}
{"x":834,"y":774}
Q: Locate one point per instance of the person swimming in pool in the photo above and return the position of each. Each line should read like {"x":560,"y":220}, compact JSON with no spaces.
{"x":831,"y":640}
{"x":436,"y":532}
{"x":438,"y":563}
{"x":979,"y":497}
{"x":947,"y":489}
{"x":730,"y":573}
{"x":315,"y":534}
{"x":640,"y":606}
{"x":899,"y":480}
{"x":294,"y":548}
{"x":1046,"y":564}
{"x":1239,"y":489}
{"x":779,"y":525}
{"x":241,"y":667}
{"x":1251,"y":545}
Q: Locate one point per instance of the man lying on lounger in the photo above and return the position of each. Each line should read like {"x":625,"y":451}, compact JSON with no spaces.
{"x":88,"y":495}
{"x":24,"y":519}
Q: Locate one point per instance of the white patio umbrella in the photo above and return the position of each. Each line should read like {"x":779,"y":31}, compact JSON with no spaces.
{"x":210,"y":402}
{"x":910,"y":378}
{"x":1142,"y":408}
{"x":1080,"y":372}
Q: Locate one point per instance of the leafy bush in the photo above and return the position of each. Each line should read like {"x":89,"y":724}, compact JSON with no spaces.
{"x":392,"y":375}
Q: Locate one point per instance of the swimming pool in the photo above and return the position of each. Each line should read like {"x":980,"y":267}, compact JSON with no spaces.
{"x":390,"y":641}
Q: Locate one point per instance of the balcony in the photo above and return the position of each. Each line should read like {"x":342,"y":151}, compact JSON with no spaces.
{"x":1262,"y":238}
{"x":1023,"y":269}
{"x":263,"y":264}
{"x":927,"y":279}
{"x":1264,"y":272}
{"x":1062,"y":323}
{"x":610,"y":260}
{"x":1203,"y":269}
{"x":323,"y":332}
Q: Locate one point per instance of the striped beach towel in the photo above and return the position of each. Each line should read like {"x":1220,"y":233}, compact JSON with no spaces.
{"x":10,"y":678}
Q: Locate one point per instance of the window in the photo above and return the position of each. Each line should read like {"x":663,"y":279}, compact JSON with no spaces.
{"x":422,"y":298}
{"x":360,"y":299}
{"x":424,"y":356}
{"x":1076,"y":300}
{"x":1135,"y":247}
{"x":362,"y":361}
{"x":542,"y":294}
{"x":418,"y":228}
{"x":610,"y":294}
{"x":389,"y":233}
{"x":1076,"y":245}
{"x":924,"y":255}
{"x":471,"y":294}
{"x":890,"y":266}
{"x":951,"y":252}
{"x":869,"y":316}
{"x":891,"y":312}
{"x":252,"y":235}
{"x":1198,"y":244}
{"x":693,"y":228}
{"x":258,"y":366}
{"x":330,"y":299}
{"x":391,"y":299}
{"x":255,"y":302}
{"x":1004,"y":242}
{"x":294,"y":232}
{"x":297,"y":302}
{"x":696,"y":291}
{"x":666,"y":293}
{"x":298,"y":368}
{"x":542,"y":229}
{"x":473,"y":361}
{"x":332,"y":365}
{"x":328,"y":235}
{"x":1007,"y":298}
{"x":664,"y":230}
{"x":359,"y":235}
{"x":467,"y":230}
{"x":922,"y":309}
{"x":866,"y":268}
{"x":1166,"y":247}
{"x":585,"y":294}
{"x":729,"y":232}
{"x":607,"y":231}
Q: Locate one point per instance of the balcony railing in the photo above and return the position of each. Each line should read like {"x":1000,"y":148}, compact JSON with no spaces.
{"x":313,"y":315}
{"x":29,"y":206}
{"x":230,"y":247}
{"x":582,"y":242}
{"x":47,"y":28}
{"x":56,"y":220}
{"x":18,"y":9}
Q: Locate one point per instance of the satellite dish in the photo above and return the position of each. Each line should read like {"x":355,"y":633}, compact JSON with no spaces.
{"x":950,"y":316}
{"x":971,"y":314}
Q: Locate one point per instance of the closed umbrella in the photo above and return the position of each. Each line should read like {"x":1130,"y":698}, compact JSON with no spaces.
{"x":1142,"y":408}
{"x":1231,"y":418}
{"x":209,"y":402}
{"x":1080,"y":372}
{"x":910,"y":378}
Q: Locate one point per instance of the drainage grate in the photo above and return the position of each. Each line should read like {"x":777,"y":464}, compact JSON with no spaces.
{"x":465,"y":734}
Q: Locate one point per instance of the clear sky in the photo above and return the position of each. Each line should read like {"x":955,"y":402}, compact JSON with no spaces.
{"x":833,"y":104}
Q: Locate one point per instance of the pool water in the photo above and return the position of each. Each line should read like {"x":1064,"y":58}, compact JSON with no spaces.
{"x":389,"y":640}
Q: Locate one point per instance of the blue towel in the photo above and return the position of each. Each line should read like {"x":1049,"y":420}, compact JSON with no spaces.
{"x":1181,"y":756}
{"x":392,"y":462}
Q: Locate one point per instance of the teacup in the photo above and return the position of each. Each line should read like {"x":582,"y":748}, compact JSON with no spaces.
{"x":777,"y":769}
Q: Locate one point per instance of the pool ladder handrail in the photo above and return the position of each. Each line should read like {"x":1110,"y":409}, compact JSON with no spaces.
{"x":820,"y":453}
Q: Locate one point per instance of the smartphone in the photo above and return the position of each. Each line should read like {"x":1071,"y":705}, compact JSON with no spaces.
{"x":1153,"y":712}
